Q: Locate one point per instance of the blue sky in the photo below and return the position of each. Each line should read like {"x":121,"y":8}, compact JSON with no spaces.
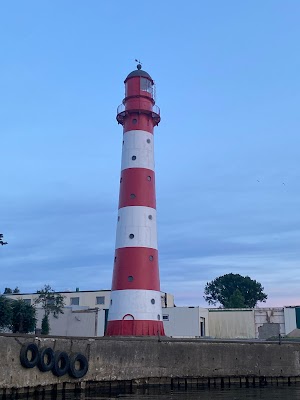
{"x":227,"y":149}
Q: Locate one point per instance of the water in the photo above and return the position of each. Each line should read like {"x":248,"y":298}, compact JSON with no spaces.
{"x":261,"y":393}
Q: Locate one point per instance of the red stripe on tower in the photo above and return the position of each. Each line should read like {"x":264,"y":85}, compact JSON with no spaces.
{"x":135,"y":307}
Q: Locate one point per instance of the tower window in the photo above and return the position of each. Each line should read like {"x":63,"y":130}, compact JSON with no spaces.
{"x":150,"y":216}
{"x":133,"y":157}
{"x":132,"y":196}
{"x":134,"y":121}
{"x":158,"y":317}
{"x":130,"y":278}
{"x":131,"y":236}
{"x":146,"y":85}
{"x":149,"y":178}
{"x":148,"y":141}
{"x":118,"y":217}
{"x":152,"y":301}
{"x":151,"y":258}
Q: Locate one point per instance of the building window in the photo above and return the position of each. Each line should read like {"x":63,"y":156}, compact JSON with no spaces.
{"x":133,"y":158}
{"x":130,"y":278}
{"x":27,"y":301}
{"x":152,"y":301}
{"x":131,"y":236}
{"x":166,"y":317}
{"x":100,"y":300}
{"x":74,"y":301}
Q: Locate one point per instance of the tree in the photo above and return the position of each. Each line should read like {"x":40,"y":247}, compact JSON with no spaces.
{"x":1,"y":240}
{"x":23,"y":317}
{"x":8,"y":290}
{"x":52,"y":303}
{"x":234,"y":291}
{"x":5,"y":312}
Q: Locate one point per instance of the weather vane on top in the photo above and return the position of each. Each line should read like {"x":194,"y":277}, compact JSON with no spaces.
{"x":139,"y":66}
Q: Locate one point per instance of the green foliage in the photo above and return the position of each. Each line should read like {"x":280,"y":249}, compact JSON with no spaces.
{"x":5,"y":312}
{"x":234,"y":291}
{"x":52,"y":303}
{"x":45,"y":325}
{"x":23,"y":317}
{"x":236,"y":300}
{"x":8,"y":290}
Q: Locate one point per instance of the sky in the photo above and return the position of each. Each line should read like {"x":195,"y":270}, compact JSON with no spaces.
{"x":227,"y":148}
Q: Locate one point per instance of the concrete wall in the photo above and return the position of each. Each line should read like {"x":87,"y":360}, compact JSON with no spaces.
{"x":151,"y":360}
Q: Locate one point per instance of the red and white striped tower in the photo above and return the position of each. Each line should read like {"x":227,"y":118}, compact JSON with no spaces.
{"x":135,"y":307}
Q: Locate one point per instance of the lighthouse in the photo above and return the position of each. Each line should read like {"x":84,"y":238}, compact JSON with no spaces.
{"x":135,"y":305}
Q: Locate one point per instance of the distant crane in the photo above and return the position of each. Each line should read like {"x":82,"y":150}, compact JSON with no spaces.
{"x":1,"y":240}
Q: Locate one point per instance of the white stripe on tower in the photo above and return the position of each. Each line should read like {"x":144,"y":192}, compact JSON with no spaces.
{"x":135,"y":298}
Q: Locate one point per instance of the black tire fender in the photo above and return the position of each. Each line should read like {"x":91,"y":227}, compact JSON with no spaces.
{"x":80,"y":360}
{"x":25,"y":361}
{"x":46,"y":359}
{"x":61,"y":363}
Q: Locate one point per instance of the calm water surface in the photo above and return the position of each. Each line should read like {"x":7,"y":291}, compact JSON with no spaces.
{"x":265,"y":393}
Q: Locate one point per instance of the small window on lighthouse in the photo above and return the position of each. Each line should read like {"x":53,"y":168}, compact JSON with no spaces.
{"x":149,"y":178}
{"x":158,"y":317}
{"x":150,"y":216}
{"x":148,"y":141}
{"x":134,"y":121}
{"x":130,"y":278}
{"x":133,"y":157}
{"x":152,"y":301}
{"x":151,"y":258}
{"x":132,"y":196}
{"x":131,"y":236}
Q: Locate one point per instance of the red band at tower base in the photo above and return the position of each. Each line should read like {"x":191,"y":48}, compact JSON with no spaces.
{"x":135,"y":328}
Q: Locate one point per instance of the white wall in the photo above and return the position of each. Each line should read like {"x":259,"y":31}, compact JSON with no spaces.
{"x":184,"y":321}
{"x":88,"y":298}
{"x":231,"y":323}
{"x":84,"y":322}
{"x":290,"y":319}
{"x":268,"y":315}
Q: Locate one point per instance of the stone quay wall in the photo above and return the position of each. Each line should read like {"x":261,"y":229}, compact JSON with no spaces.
{"x":143,"y":361}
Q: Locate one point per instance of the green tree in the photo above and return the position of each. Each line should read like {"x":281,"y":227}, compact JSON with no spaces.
{"x":45,"y":325}
{"x":234,"y":290}
{"x":8,"y":290}
{"x":5,"y":312}
{"x":52,"y":303}
{"x":236,"y":300}
{"x":23,"y":317}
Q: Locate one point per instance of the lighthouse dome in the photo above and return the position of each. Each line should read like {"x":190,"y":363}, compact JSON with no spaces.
{"x":139,"y":72}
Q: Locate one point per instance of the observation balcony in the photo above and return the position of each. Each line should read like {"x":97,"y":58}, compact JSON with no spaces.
{"x":122,"y":112}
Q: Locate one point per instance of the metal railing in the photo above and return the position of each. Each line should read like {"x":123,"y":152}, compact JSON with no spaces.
{"x":155,"y":109}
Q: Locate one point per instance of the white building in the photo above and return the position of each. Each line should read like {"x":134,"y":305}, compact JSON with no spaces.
{"x":186,"y":322}
{"x":85,"y":312}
